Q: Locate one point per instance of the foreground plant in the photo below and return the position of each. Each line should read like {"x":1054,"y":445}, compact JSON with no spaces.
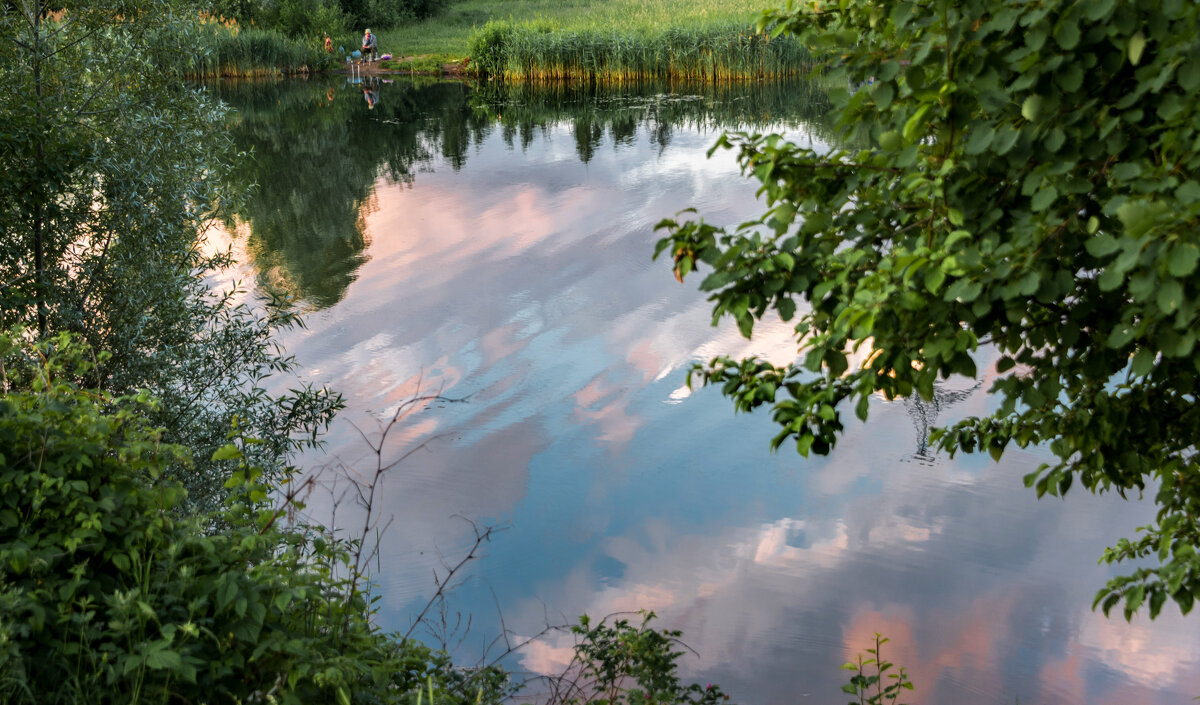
{"x":874,"y":681}
{"x":107,"y":596}
{"x":1012,"y":174}
{"x":617,"y":662}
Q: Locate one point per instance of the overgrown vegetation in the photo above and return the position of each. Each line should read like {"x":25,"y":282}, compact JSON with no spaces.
{"x":1030,"y":185}
{"x":223,"y":49}
{"x":311,"y":19}
{"x":112,"y":170}
{"x":720,"y":53}
{"x":108,"y":596}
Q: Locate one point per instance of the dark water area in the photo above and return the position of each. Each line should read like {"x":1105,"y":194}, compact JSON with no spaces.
{"x":492,"y":246}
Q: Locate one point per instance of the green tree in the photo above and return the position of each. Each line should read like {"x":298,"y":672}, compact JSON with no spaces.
{"x":112,"y":167}
{"x":1011,"y":174}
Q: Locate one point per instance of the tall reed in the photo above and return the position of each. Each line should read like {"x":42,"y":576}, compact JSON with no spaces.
{"x":717,"y":54}
{"x":221,"y":49}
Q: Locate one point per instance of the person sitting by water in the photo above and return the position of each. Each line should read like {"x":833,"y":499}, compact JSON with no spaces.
{"x":328,"y":44}
{"x":368,"y":46}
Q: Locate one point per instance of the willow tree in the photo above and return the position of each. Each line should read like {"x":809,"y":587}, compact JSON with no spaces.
{"x":1011,"y":174}
{"x":111,"y":166}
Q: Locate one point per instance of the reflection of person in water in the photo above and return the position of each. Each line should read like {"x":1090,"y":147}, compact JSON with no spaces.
{"x":924,"y":413}
{"x":371,"y":97}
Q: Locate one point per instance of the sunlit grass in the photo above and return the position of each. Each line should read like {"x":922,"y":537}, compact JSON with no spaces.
{"x":450,"y":33}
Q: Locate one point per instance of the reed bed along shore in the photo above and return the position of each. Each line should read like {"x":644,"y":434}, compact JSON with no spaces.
{"x":218,"y":48}
{"x":715,"y":54}
{"x":450,"y":33}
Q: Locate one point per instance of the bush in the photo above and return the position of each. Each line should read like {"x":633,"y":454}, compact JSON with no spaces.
{"x":488,"y":48}
{"x":308,"y":19}
{"x":107,"y":597}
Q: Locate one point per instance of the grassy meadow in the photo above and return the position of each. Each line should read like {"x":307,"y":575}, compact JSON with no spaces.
{"x":448,"y":36}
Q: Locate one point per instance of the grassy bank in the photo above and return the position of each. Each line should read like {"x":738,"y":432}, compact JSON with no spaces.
{"x":640,"y":21}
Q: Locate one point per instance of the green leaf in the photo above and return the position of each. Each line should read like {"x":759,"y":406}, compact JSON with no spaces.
{"x":980,"y":139}
{"x":934,"y":279}
{"x":1110,"y":279}
{"x":912,"y":127}
{"x":1055,"y":139}
{"x":1137,"y":44}
{"x":1170,"y":296}
{"x":1143,"y":362}
{"x":1184,"y":256}
{"x":1120,"y":336}
{"x":227,"y":452}
{"x":1188,"y":192}
{"x":1006,"y":137}
{"x":1097,"y":9}
{"x":1101,"y":245}
{"x":890,"y":140}
{"x":160,"y":659}
{"x":1044,"y":199}
{"x":1031,"y":108}
{"x":1067,"y":33}
{"x":1127,"y":171}
{"x":787,"y":308}
{"x":1188,"y":76}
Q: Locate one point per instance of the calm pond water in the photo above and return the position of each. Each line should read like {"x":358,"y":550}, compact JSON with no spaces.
{"x":493,"y":247}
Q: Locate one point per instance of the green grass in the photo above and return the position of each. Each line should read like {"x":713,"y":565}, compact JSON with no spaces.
{"x":449,"y":34}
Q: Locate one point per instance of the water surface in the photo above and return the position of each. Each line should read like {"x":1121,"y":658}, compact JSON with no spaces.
{"x":492,"y":247}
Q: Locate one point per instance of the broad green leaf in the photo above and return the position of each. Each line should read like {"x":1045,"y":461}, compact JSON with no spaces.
{"x":159,"y":659}
{"x":1044,"y":199}
{"x":934,"y":279}
{"x":1188,"y":76}
{"x":1143,"y":362}
{"x":1120,"y":336}
{"x":980,"y":139}
{"x":890,"y":140}
{"x":912,"y":128}
{"x":227,"y":452}
{"x":1005,"y":138}
{"x":1170,"y":296}
{"x":1137,"y":44}
{"x":1110,"y":278}
{"x":1031,"y":108}
{"x":1101,"y":245}
{"x":1067,"y":33}
{"x":1184,"y":256}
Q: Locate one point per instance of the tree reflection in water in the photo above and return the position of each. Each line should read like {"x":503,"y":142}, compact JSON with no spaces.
{"x":316,"y":150}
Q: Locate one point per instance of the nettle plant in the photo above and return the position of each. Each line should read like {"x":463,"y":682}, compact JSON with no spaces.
{"x":1012,"y":174}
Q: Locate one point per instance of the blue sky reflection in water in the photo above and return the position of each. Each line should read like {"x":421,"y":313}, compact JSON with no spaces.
{"x":496,"y":249}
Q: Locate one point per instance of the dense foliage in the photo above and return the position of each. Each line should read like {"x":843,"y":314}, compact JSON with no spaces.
{"x":107,"y":596}
{"x":312,"y":18}
{"x":1016,"y":175}
{"x":111,"y":169}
